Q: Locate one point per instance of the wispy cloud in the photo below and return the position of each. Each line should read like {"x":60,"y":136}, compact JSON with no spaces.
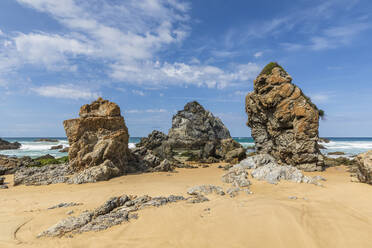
{"x":138,"y":92}
{"x":124,"y":37}
{"x":258,"y":54}
{"x":68,"y":91}
{"x":320,"y":97}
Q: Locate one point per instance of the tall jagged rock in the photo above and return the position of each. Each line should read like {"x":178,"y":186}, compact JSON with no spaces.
{"x":98,"y":142}
{"x":195,"y":133}
{"x":284,"y":122}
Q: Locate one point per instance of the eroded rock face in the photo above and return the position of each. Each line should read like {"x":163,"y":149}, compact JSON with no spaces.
{"x":284,"y":122}
{"x":194,"y":127}
{"x":196,"y":135}
{"x":364,"y":167}
{"x":98,"y":142}
{"x":5,"y":145}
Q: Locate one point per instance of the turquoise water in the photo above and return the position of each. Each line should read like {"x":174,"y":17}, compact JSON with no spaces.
{"x":350,"y":146}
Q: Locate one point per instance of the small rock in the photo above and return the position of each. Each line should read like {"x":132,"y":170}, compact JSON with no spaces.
{"x":70,"y":212}
{"x":65,"y":205}
{"x":2,"y":179}
{"x":206,"y":189}
{"x":292,"y":197}
{"x":3,"y":186}
{"x":197,"y":199}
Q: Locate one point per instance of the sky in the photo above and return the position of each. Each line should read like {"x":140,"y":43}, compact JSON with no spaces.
{"x":151,"y":57}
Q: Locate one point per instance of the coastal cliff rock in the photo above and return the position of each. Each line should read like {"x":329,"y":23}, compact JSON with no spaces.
{"x":284,"y":122}
{"x":196,"y":135}
{"x":364,"y":167}
{"x":98,"y":142}
{"x":5,"y":145}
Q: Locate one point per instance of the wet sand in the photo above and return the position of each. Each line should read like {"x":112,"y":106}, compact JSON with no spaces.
{"x":336,"y":215}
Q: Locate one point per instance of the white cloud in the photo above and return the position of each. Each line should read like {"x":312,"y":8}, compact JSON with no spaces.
{"x":137,"y":111}
{"x":1,"y":33}
{"x":240,"y":93}
{"x":124,"y":37}
{"x":138,"y":92}
{"x":184,"y":74}
{"x":320,"y":97}
{"x":68,"y":91}
{"x":258,"y":54}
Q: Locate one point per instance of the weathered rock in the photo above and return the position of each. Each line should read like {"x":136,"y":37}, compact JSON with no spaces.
{"x":336,"y":153}
{"x":5,"y":145}
{"x":284,"y":122}
{"x":237,"y":176}
{"x":154,"y":140}
{"x":98,"y":142}
{"x":364,"y":167}
{"x":48,"y":174}
{"x":2,"y":179}
{"x":197,"y":199}
{"x":65,"y":205}
{"x":234,"y":191}
{"x":56,"y":147}
{"x":205,"y":189}
{"x":113,"y":212}
{"x":196,"y":135}
{"x":9,"y":165}
{"x":265,"y":168}
{"x":64,"y":149}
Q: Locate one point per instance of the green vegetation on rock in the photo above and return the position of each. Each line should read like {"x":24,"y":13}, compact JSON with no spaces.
{"x":269,"y":67}
{"x":46,"y":161}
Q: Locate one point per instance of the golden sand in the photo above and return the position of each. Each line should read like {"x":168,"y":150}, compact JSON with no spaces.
{"x":336,"y":215}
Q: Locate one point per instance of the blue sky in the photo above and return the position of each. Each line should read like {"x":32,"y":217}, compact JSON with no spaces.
{"x":153,"y":56}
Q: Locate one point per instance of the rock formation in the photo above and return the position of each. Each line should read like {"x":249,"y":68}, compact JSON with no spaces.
{"x":5,"y":145}
{"x":195,"y":135}
{"x":284,"y":122}
{"x":9,"y":165}
{"x":98,"y":142}
{"x":364,"y":167}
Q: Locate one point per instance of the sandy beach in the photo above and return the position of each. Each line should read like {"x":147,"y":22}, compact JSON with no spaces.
{"x":336,"y":215}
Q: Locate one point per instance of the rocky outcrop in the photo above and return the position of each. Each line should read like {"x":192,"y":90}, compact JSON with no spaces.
{"x":6,"y":145}
{"x":56,"y":147}
{"x":284,"y":122}
{"x":113,"y":212}
{"x":364,"y":167}
{"x":44,"y":175}
{"x":195,"y":135}
{"x":264,"y":167}
{"x":9,"y":165}
{"x":98,"y":142}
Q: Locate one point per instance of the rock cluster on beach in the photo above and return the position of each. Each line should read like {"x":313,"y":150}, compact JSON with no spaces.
{"x":284,"y":122}
{"x":196,"y":135}
{"x":113,"y":212}
{"x":9,"y":165}
{"x":363,"y":170}
{"x":6,"y":145}
{"x":98,"y":142}
{"x":264,"y":167}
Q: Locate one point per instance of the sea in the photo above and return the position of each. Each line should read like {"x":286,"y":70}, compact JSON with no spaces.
{"x":34,"y":149}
